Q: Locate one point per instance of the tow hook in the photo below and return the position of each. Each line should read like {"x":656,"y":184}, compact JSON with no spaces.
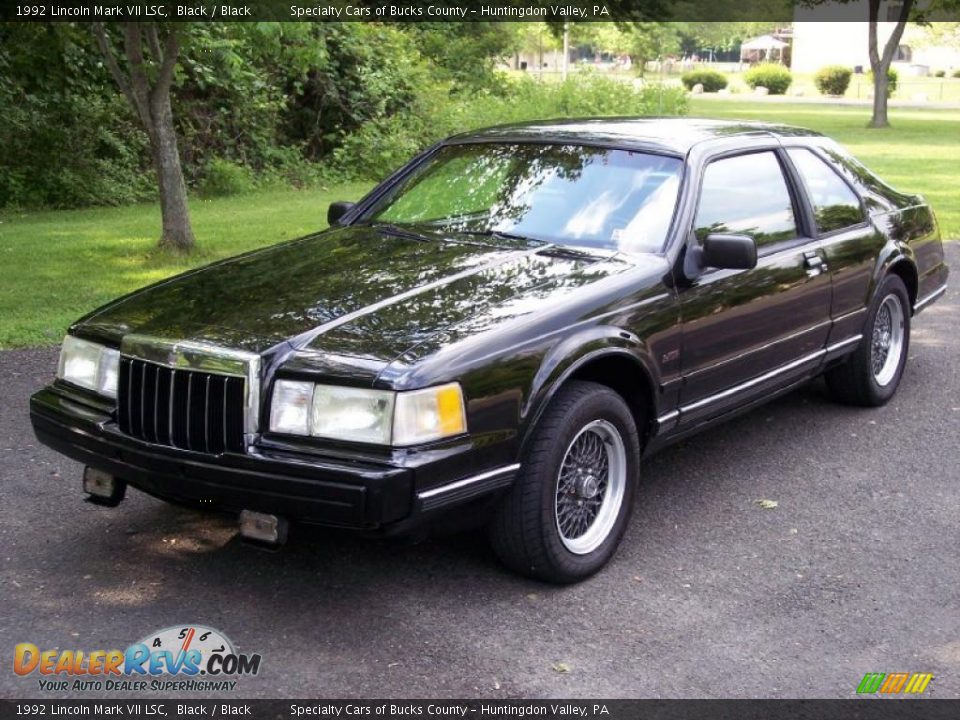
{"x":263,"y":530}
{"x":102,"y":488}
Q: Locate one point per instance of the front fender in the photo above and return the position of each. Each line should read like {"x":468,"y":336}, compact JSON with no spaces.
{"x":575,"y":352}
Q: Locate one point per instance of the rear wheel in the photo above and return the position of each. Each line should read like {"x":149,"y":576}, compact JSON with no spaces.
{"x":872,"y":373}
{"x":568,"y":509}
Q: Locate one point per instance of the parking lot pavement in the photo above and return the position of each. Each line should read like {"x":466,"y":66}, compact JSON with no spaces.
{"x":712,"y":595}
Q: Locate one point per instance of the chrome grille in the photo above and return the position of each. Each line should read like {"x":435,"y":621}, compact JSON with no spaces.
{"x":186,"y":409}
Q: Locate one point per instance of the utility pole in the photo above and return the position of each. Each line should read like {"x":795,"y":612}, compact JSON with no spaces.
{"x":566,"y":48}
{"x":540,"y":55}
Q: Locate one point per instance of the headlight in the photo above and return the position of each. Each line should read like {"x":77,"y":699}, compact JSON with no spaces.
{"x":372,"y":416}
{"x":89,"y":365}
{"x":346,"y":413}
{"x":290,"y":412}
{"x":429,"y":414}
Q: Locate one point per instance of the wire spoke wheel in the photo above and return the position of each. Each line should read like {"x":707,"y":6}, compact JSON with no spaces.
{"x":590,"y":487}
{"x":886,"y":342}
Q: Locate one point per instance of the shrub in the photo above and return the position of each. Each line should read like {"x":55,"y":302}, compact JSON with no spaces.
{"x":940,"y":73}
{"x":711,"y":80}
{"x":775,"y":78}
{"x":222,"y":177}
{"x":47,"y":161}
{"x":285,"y":166}
{"x":892,"y":78}
{"x":956,"y":73}
{"x":832,"y":79}
{"x":381,"y":146}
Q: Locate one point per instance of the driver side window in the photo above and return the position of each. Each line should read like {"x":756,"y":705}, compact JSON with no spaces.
{"x":746,"y":195}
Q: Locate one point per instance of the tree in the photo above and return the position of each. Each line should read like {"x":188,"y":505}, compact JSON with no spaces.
{"x":649,"y":41}
{"x":642,"y":41}
{"x":941,"y":33}
{"x":880,"y":62}
{"x":723,"y":35}
{"x":466,"y":52}
{"x":150,"y":65}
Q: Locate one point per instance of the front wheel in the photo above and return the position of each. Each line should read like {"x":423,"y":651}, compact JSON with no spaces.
{"x":872,"y":373}
{"x":568,"y":509}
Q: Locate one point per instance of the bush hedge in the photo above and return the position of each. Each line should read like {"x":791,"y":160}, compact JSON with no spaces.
{"x":711,"y":80}
{"x":222,"y":177}
{"x":832,"y":79}
{"x":775,"y":78}
{"x":381,"y":146}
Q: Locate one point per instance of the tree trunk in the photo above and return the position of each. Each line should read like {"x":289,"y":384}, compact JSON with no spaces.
{"x":149,"y":96}
{"x":880,"y":62}
{"x":881,"y":84}
{"x":177,"y":231}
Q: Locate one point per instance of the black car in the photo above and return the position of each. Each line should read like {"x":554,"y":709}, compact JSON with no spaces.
{"x":500,"y":331}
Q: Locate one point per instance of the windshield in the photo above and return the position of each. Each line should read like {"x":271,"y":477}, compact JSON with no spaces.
{"x":565,"y":194}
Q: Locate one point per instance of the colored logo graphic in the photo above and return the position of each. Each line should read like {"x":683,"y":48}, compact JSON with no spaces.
{"x":894,"y":683}
{"x":182,"y":650}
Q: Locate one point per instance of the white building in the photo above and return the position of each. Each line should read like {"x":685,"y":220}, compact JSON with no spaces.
{"x":817,"y":42}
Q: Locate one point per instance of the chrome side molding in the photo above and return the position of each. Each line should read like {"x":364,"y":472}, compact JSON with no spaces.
{"x":843,"y":343}
{"x":667,"y":418}
{"x":467,"y":488}
{"x":799,"y":362}
{"x":927,"y":299}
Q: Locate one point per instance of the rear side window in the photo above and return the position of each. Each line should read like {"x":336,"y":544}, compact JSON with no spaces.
{"x":748,"y":195}
{"x":835,"y":205}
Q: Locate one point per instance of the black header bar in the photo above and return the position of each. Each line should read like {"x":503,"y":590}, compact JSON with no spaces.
{"x":853,"y":709}
{"x":555,"y":11}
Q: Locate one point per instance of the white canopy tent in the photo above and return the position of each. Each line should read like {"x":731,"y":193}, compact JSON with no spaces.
{"x":763,"y":48}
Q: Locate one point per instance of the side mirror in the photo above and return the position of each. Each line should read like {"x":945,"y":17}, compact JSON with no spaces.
{"x":337,"y":210}
{"x":729,"y":252}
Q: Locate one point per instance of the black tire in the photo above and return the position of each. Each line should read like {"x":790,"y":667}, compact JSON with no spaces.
{"x":854,"y":382}
{"x":525,"y":531}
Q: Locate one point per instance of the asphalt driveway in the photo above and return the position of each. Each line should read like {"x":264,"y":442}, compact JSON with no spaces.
{"x":854,"y":571}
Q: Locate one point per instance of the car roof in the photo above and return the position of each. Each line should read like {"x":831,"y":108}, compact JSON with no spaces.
{"x":674,"y":135}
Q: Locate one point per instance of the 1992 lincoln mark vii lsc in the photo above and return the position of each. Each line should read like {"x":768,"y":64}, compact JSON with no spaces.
{"x":501,"y":330}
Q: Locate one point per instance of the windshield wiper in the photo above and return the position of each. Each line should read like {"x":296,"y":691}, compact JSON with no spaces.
{"x":549,"y":248}
{"x":500,"y":234}
{"x":563,"y":251}
{"x":396,"y":231}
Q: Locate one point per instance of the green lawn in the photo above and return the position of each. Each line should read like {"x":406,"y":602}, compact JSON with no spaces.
{"x":920,"y":152}
{"x":57,"y":265}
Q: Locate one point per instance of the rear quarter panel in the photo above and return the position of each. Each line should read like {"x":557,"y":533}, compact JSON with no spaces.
{"x":906,"y":221}
{"x":915,"y":231}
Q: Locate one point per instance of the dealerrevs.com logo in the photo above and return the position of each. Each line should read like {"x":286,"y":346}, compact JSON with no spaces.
{"x":187,"y":658}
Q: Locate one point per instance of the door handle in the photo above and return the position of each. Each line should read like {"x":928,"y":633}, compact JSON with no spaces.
{"x":814,"y":262}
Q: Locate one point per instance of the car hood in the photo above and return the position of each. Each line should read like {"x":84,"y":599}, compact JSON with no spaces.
{"x":364,"y":292}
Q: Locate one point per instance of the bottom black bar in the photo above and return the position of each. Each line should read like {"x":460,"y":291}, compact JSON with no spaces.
{"x":853,"y":709}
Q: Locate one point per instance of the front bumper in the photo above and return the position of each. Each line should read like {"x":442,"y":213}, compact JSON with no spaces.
{"x":306,"y":488}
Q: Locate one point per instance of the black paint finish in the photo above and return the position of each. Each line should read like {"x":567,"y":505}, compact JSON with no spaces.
{"x":374,"y":305}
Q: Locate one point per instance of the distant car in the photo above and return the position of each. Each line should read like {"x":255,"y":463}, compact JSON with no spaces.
{"x":499,"y":331}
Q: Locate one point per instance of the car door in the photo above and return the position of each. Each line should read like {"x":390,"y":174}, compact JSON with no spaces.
{"x":849,"y":241}
{"x":747,"y":332}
